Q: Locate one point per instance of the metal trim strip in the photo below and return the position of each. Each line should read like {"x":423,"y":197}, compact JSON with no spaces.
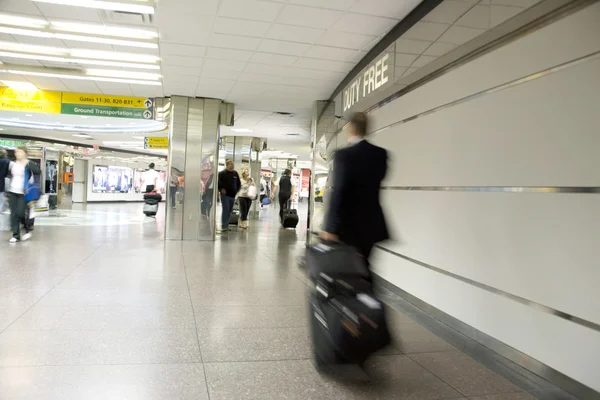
{"x":526,"y":372}
{"x":500,"y":189}
{"x":502,"y":293}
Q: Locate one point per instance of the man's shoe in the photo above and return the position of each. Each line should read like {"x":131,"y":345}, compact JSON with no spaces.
{"x":13,"y":240}
{"x":26,"y":236}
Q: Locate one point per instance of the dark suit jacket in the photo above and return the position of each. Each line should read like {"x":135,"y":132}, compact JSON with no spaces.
{"x":355,"y":213}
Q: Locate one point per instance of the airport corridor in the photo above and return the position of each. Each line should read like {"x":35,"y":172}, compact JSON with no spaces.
{"x":114,"y":312}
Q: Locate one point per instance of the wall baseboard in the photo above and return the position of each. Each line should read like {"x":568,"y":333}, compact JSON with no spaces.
{"x":527,"y":373}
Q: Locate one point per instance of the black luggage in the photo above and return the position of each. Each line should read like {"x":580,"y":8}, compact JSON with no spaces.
{"x":336,"y":260}
{"x":348,"y":322}
{"x":235,"y":213}
{"x":347,"y":325}
{"x":151,"y":201}
{"x":290,"y":217}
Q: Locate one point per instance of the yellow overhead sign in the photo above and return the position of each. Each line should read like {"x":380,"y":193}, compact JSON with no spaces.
{"x":30,"y":95}
{"x":156,"y":143}
{"x":107,"y":101}
{"x":33,"y":101}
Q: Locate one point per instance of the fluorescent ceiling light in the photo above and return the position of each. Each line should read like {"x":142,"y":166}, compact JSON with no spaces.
{"x":104,"y":5}
{"x":104,"y":30}
{"x":156,"y":127}
{"x":77,"y":61}
{"x":81,"y":135}
{"x":112,"y":55}
{"x":123,"y":74}
{"x":241,"y":130}
{"x":83,"y":78}
{"x":15,"y":20}
{"x":77,"y":38}
{"x":20,"y":85}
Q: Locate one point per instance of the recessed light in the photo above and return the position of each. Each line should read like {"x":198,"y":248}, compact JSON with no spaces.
{"x":77,"y":38}
{"x":81,"y":135}
{"x":104,"y":30}
{"x":241,"y":130}
{"x":8,"y":19}
{"x":111,"y":73}
{"x":83,"y":61}
{"x":84,"y":116}
{"x":104,"y":5}
{"x":29,"y":115}
{"x":86,"y":78}
{"x":19,"y":85}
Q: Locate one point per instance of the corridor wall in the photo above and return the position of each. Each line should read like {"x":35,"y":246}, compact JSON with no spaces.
{"x":481,"y":159}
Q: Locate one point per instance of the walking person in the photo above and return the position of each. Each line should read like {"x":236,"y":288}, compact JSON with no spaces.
{"x":4,"y":171}
{"x":150,"y":179}
{"x":355,"y":215}
{"x":229,"y":186}
{"x":22,"y":173}
{"x":246,"y":195}
{"x":285,"y":189}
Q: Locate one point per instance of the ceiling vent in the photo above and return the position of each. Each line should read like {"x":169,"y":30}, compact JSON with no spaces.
{"x":292,"y":134}
{"x":131,"y":18}
{"x":285,"y":114}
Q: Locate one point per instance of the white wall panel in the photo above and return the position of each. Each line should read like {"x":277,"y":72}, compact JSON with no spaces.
{"x":572,"y":37}
{"x":521,"y":136}
{"x":558,"y":343}
{"x":539,"y":246}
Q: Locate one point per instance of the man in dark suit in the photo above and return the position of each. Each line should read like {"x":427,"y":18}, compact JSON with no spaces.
{"x":354,"y":215}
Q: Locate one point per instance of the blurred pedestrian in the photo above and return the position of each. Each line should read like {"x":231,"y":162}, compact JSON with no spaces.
{"x":229,"y":186}
{"x":150,"y":179}
{"x":246,"y":195}
{"x":355,"y":215}
{"x":22,"y":177}
{"x":285,"y":189}
{"x":4,"y":171}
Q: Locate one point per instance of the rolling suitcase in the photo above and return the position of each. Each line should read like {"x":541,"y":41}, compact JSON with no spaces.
{"x":151,"y":201}
{"x":234,"y":218}
{"x":290,"y":217}
{"x":348,"y":322}
{"x":347,"y":325}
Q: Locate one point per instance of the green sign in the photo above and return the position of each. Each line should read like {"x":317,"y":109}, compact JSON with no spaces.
{"x":12,"y":143}
{"x":100,"y":111}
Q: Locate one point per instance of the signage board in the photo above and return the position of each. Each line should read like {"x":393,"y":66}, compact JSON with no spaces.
{"x":33,"y":101}
{"x":156,"y":143}
{"x":97,"y":105}
{"x":12,"y":143}
{"x":100,"y":105}
{"x":375,"y":77}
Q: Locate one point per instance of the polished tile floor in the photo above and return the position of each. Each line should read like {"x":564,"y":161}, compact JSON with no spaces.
{"x":98,"y":306}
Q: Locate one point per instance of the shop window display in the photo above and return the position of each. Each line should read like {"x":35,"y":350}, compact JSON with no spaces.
{"x":112,"y":179}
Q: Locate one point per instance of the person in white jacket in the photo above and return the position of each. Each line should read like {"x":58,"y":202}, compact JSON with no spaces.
{"x":246,"y":194}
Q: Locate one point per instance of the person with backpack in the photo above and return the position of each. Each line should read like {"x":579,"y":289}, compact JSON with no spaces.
{"x":229,"y":185}
{"x":285,"y":189}
{"x":23,"y":175}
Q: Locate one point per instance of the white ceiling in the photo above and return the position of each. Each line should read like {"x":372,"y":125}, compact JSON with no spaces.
{"x":262,"y":55}
{"x":267,"y":56}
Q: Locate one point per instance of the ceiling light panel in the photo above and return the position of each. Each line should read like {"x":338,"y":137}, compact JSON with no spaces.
{"x":143,"y":7}
{"x":19,"y":85}
{"x":77,"y":61}
{"x":15,"y":20}
{"x":81,"y":77}
{"x":104,"y":30}
{"x":77,"y":38}
{"x":123,"y":74}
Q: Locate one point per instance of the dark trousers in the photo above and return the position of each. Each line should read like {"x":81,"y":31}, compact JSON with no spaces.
{"x":365,"y":251}
{"x":227,"y":204}
{"x":245,"y":204}
{"x":284,"y":198}
{"x":173,"y":196}
{"x":18,"y":214}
